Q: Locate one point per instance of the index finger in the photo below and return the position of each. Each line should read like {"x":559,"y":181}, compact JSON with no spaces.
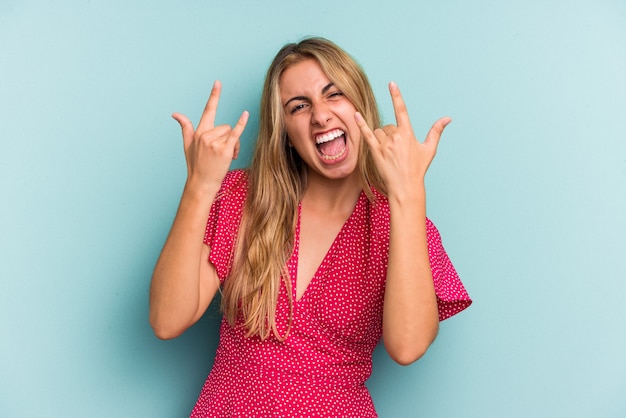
{"x":207,"y":121}
{"x":399,"y":107}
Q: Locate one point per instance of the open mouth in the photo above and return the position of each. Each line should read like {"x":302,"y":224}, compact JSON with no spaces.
{"x":331,"y":145}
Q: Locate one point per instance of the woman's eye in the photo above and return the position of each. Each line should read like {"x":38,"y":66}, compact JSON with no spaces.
{"x":335,"y":94}
{"x":297,"y":107}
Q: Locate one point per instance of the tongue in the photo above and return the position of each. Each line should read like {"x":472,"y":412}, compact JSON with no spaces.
{"x":333,"y":147}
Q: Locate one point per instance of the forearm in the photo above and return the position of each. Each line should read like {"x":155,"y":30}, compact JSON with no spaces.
{"x":410,"y":316}
{"x":175,"y":291}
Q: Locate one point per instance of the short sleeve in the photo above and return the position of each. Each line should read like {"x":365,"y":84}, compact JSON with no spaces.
{"x":452,"y":297}
{"x":224,"y":219}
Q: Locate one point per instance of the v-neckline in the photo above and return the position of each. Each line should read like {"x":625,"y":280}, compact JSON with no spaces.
{"x":331,"y":250}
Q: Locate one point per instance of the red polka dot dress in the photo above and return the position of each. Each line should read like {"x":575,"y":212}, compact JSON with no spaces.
{"x":321,"y":368}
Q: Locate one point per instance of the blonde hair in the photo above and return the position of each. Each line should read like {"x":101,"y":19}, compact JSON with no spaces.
{"x":277,"y":177}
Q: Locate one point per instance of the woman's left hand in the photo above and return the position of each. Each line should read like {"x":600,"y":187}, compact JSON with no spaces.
{"x":400,"y":158}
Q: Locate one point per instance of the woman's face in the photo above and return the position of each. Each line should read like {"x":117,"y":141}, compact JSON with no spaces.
{"x":319,"y":121}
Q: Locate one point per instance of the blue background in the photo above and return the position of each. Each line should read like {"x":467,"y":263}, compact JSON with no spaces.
{"x":528,"y":191}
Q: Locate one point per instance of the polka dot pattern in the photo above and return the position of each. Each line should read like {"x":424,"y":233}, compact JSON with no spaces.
{"x":321,"y":368}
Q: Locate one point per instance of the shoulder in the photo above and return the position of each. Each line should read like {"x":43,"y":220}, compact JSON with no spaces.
{"x":234,"y":187}
{"x":227,"y":208}
{"x":235,"y":180}
{"x":224,"y":220}
{"x":229,"y":202}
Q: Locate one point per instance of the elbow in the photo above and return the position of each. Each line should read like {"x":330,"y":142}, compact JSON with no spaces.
{"x":164,"y":331}
{"x":407,"y":356}
{"x":405,"y":351}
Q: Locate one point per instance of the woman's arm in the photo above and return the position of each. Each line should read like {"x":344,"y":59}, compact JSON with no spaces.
{"x":184,"y":281}
{"x":410,"y":315}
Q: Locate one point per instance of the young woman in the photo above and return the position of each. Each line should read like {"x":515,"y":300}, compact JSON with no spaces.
{"x":319,"y":249}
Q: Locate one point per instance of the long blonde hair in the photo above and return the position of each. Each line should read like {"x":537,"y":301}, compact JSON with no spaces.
{"x":277,"y":177}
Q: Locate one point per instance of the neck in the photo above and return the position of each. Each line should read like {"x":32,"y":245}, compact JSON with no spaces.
{"x":332,"y":194}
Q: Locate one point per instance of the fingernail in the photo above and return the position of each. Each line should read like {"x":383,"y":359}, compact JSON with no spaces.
{"x":393,"y":85}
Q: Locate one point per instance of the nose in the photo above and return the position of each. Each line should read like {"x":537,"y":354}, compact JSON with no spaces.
{"x":321,"y":114}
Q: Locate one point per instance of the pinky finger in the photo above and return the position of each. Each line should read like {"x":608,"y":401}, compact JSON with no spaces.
{"x":434,"y":134}
{"x":369,"y":136}
{"x":240,"y":126}
{"x":237,"y":131}
{"x":236,"y":150}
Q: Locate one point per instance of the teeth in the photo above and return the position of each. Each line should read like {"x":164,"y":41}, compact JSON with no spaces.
{"x":334,"y":157}
{"x":329,"y":136}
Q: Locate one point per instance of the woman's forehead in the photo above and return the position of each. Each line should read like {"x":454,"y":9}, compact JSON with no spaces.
{"x":303,"y":78}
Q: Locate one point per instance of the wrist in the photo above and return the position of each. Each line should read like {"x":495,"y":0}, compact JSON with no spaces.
{"x":200,"y":193}
{"x":413,"y":193}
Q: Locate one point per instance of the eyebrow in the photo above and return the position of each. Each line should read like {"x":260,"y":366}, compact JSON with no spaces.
{"x":324,"y":91}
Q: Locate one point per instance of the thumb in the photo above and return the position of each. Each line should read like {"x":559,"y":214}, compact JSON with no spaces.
{"x":187,"y":128}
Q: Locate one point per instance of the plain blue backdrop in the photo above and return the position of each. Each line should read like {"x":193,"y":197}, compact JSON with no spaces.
{"x":528,"y":190}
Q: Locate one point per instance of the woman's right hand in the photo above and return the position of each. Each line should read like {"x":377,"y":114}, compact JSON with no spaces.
{"x":209,"y":149}
{"x":184,"y":281}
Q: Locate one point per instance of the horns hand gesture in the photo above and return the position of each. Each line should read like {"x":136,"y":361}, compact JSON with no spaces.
{"x":209,"y":149}
{"x":400,"y":158}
